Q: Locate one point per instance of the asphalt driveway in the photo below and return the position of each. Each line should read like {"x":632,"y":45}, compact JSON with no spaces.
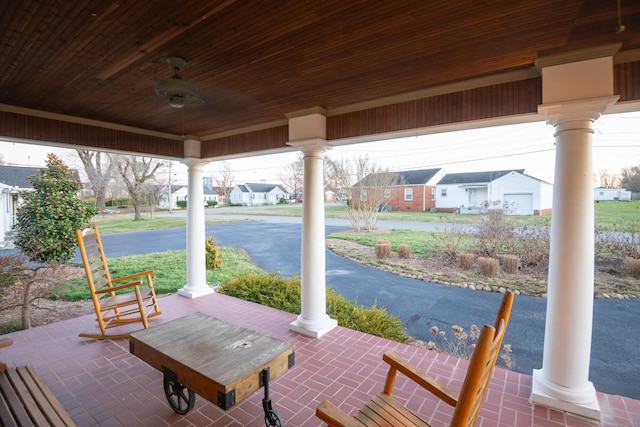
{"x":274,"y":244}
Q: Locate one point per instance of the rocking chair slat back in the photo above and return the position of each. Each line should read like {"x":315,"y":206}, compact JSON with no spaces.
{"x":131,"y":299}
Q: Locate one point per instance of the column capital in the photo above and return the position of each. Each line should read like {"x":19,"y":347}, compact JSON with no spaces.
{"x":193,"y":162}
{"x":312,"y":144}
{"x":583,"y":109}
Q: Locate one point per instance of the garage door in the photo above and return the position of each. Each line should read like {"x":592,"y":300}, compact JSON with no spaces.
{"x":519,"y":204}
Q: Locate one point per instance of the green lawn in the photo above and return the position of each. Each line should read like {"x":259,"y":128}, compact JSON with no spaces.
{"x":170,"y":271}
{"x":608,"y":215}
{"x":170,"y":267}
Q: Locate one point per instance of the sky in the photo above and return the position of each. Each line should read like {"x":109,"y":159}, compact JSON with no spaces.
{"x":529,"y":146}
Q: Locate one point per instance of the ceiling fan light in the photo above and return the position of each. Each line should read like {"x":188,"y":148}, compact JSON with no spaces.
{"x":176,"y":101}
{"x":178,"y":91}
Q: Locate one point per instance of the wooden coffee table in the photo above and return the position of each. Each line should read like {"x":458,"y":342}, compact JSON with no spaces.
{"x":221,"y":362}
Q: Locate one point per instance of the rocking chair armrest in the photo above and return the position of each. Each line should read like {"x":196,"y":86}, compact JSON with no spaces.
{"x":132,"y":276}
{"x":332,"y":415}
{"x":118,"y":288}
{"x":420,"y":377}
{"x":5,"y":342}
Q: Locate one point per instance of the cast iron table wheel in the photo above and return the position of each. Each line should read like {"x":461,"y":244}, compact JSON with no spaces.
{"x":180,"y":398}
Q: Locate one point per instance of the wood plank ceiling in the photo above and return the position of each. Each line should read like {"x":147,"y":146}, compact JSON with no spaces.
{"x":255,"y":61}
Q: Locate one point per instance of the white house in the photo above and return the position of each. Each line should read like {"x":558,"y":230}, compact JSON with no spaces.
{"x":611,"y":194}
{"x":475,"y":192}
{"x":252,"y":194}
{"x":180,"y":192}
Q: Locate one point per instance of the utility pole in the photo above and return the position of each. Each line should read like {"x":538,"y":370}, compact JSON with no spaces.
{"x":170,"y":201}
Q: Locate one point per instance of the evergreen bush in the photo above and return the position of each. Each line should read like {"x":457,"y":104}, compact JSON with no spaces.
{"x":284,"y":294}
{"x":47,"y":221}
{"x":213,"y":255}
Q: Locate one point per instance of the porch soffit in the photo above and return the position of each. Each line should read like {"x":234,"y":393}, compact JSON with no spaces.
{"x":86,"y":69}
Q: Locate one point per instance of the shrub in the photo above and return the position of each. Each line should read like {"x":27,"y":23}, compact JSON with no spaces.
{"x":533,"y":244}
{"x":632,"y":266}
{"x":465,"y":261}
{"x":211,"y":203}
{"x":448,"y":241}
{"x":284,"y":294}
{"x":495,"y":230}
{"x":404,"y":251}
{"x":382,"y":249}
{"x":47,"y":220}
{"x":488,"y":267}
{"x":510,"y":264}
{"x":213,"y":255}
{"x":623,"y":242}
{"x":181,"y":203}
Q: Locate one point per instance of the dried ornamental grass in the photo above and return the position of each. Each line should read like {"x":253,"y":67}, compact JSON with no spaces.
{"x":488,"y":267}
{"x":463,"y":343}
{"x":510,"y":264}
{"x":632,"y":266}
{"x":382,"y":249}
{"x":465,"y":261}
{"x":404,"y":251}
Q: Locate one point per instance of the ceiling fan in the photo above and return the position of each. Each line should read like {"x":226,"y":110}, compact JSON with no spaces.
{"x":178,"y":91}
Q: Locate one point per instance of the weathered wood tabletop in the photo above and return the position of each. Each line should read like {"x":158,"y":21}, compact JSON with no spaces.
{"x":217,"y":360}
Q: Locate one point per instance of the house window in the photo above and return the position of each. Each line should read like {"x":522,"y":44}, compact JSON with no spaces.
{"x":408,"y":194}
{"x":433,"y":194}
{"x":363,"y":195}
{"x":387,"y":193}
{"x":443,"y":192}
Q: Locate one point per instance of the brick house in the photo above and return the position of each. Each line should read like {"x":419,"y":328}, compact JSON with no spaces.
{"x":414,"y":190}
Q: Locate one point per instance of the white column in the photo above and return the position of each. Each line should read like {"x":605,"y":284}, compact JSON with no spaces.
{"x":563,"y":382}
{"x":196,"y":263}
{"x":313,"y":320}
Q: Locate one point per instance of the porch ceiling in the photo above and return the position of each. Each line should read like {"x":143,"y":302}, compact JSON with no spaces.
{"x":254,"y":62}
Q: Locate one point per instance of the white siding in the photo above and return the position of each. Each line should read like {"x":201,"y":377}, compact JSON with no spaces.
{"x":611,"y":194}
{"x":476,"y":197}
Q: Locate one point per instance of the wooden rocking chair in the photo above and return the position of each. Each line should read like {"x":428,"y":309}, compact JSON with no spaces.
{"x":113,"y":306}
{"x":383,"y":410}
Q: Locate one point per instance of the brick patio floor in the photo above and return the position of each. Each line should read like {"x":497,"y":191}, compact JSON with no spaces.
{"x":101,"y":384}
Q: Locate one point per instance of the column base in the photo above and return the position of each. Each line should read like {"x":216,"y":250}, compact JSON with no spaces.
{"x":196,"y":292}
{"x":313,"y":329}
{"x":553,"y":396}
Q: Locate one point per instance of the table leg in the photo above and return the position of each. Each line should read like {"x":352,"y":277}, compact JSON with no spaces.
{"x":271,"y":417}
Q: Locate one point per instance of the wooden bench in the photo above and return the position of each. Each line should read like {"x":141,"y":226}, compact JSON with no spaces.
{"x":25,"y":400}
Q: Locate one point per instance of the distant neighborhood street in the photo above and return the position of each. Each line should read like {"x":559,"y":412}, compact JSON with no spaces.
{"x":274,"y":245}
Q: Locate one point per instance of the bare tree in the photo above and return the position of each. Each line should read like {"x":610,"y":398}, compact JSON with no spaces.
{"x":135,"y":172}
{"x":153,"y":194}
{"x":372,"y":189}
{"x":224,"y":180}
{"x":340,"y":174}
{"x":292,"y":177}
{"x":99,"y":170}
{"x":363,"y":200}
{"x":631,"y":178}
{"x":607,"y":179}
